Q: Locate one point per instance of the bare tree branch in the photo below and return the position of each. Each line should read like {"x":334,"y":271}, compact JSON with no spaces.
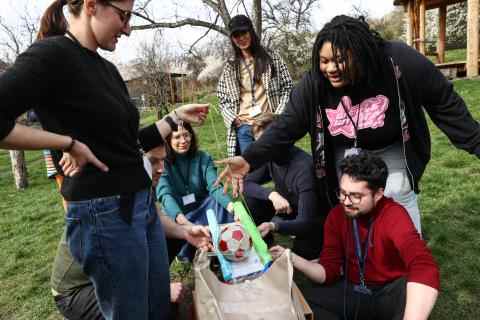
{"x":181,"y":23}
{"x":203,"y":36}
{"x":13,"y":43}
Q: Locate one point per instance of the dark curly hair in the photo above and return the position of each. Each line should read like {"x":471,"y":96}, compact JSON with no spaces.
{"x":356,"y":44}
{"x":366,"y":167}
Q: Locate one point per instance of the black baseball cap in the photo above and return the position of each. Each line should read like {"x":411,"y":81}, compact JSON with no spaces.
{"x":240,"y":23}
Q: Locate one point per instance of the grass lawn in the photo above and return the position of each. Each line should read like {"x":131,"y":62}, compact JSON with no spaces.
{"x":452,"y":55}
{"x":31,"y":222}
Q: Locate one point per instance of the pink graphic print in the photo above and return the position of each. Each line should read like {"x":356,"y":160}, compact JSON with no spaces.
{"x":372,"y":115}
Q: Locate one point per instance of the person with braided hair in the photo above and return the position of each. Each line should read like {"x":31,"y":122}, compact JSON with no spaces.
{"x":364,"y":92}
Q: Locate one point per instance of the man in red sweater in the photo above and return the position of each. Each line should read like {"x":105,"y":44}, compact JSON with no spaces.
{"x":389,"y":271}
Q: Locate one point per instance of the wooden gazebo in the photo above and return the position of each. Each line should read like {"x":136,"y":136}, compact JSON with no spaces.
{"x":416,"y":10}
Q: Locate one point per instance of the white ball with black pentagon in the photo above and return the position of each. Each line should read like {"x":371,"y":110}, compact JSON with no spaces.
{"x":235,"y":243}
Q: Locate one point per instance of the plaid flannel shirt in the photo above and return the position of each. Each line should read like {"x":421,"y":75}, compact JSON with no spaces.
{"x":228,"y":91}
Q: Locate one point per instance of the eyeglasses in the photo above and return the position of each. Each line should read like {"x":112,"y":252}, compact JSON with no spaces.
{"x":354,"y":197}
{"x":126,"y":15}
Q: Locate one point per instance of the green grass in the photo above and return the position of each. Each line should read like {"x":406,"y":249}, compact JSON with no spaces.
{"x":452,"y":55}
{"x":31,"y":223}
{"x":450,"y":205}
{"x":456,"y":55}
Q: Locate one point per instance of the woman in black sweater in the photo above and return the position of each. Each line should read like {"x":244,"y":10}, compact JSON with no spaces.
{"x":81,"y":100}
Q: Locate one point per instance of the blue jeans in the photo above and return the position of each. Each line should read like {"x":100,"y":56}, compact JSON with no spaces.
{"x":127,"y":264}
{"x":199,"y":216}
{"x":244,"y":137}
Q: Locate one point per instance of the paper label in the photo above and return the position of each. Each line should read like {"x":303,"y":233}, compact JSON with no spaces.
{"x":188,"y":199}
{"x":352,"y":152}
{"x":255,"y":111}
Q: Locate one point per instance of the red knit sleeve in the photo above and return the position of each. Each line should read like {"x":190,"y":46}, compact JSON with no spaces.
{"x":332,"y":255}
{"x":418,"y":259}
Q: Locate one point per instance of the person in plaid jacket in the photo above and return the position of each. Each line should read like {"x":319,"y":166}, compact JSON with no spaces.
{"x":254,"y":82}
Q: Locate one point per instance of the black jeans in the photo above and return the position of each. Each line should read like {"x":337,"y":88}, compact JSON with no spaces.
{"x":81,"y":303}
{"x":307,"y":245}
{"x":340,"y":301}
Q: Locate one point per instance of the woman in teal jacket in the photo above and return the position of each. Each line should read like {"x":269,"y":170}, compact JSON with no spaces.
{"x":186,"y":188}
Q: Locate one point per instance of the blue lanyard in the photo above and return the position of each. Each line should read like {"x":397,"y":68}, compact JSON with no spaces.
{"x":362,"y":259}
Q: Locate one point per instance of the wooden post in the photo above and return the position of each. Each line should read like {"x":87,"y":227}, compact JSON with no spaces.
{"x":183,"y":89}
{"x":410,"y":18}
{"x":172,"y":93}
{"x":442,"y":31}
{"x":415,"y":24}
{"x":193,"y":93}
{"x":422,"y":19}
{"x":472,"y":38}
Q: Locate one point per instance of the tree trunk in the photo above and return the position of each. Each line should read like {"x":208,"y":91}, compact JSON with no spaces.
{"x":257,"y":16}
{"x":19,"y":169}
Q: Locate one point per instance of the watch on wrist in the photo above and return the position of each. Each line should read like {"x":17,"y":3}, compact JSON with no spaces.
{"x":171,"y":123}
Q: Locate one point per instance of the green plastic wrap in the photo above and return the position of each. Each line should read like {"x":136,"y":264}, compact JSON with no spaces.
{"x":247,"y":222}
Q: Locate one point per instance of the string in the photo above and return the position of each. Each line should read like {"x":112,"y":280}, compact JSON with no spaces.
{"x":217,"y":142}
{"x":244,"y":202}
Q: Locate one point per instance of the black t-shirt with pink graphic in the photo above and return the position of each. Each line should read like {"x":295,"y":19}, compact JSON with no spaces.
{"x":375,"y":115}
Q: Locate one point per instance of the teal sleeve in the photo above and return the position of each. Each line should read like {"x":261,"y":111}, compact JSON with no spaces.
{"x":210,"y":173}
{"x":166,"y":198}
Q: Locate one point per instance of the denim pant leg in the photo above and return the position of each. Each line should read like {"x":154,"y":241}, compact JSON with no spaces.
{"x":244,"y":137}
{"x":115,"y":255}
{"x":199,"y":217}
{"x":158,"y":275}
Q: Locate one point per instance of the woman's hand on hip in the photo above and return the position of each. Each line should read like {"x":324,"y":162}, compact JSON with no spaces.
{"x":77,"y":158}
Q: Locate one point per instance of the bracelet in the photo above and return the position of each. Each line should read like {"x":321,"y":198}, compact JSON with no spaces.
{"x":175,"y":117}
{"x":70,"y":146}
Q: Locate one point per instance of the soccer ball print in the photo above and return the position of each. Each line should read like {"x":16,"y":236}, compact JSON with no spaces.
{"x":235,"y":243}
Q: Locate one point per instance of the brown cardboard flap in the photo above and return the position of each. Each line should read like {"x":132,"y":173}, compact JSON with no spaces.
{"x":300,"y":303}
